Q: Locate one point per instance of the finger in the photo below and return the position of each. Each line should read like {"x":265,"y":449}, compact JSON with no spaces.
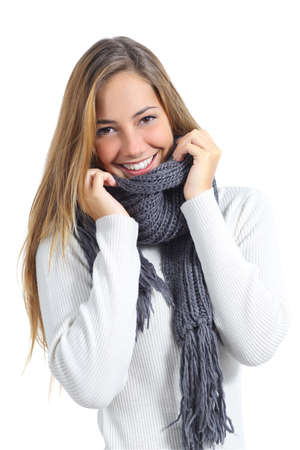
{"x":88,"y":182}
{"x":110,"y":181}
{"x":192,"y":149}
{"x":91,"y":174}
{"x":102,"y":178}
{"x":97,"y":182}
{"x":202,"y":138}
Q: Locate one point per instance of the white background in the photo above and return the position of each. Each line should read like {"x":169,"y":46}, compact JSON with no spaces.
{"x":236,"y":66}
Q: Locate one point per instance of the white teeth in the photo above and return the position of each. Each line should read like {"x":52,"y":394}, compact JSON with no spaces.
{"x":138,"y":166}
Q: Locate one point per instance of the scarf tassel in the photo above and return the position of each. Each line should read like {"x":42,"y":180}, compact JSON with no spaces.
{"x":204,"y":418}
{"x":149,"y":279}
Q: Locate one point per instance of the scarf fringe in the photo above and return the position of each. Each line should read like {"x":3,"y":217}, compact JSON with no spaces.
{"x":204,"y":420}
{"x":149,"y":279}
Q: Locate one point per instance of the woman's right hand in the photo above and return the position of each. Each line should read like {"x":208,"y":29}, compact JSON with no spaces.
{"x":100,"y":202}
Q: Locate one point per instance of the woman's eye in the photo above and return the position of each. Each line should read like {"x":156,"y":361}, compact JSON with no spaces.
{"x":104,"y":130}
{"x":101,"y":130}
{"x":148,"y":117}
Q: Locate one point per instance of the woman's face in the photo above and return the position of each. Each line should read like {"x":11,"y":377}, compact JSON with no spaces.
{"x":125,"y":133}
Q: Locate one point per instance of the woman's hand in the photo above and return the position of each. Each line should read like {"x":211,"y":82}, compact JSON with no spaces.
{"x":206,"y":156}
{"x":99,"y":202}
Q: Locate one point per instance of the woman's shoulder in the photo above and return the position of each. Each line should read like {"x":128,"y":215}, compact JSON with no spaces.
{"x":71,"y":254}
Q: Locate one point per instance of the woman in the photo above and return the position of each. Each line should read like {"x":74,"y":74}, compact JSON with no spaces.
{"x":129,"y":191}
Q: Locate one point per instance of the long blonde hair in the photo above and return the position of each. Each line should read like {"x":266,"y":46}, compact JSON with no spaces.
{"x":72,"y":149}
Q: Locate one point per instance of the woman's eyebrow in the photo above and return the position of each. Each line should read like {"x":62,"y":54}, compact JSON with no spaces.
{"x":105,"y":121}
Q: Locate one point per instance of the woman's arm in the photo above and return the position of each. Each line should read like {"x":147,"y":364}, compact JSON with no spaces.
{"x":241,"y":263}
{"x":90,"y":323}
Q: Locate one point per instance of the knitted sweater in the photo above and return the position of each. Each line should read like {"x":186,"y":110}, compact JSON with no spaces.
{"x":90,"y":322}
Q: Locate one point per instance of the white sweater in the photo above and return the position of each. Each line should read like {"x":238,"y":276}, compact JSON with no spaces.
{"x":90,"y":322}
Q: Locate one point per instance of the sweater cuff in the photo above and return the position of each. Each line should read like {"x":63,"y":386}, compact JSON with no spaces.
{"x":200,"y":210}
{"x":119,"y":230}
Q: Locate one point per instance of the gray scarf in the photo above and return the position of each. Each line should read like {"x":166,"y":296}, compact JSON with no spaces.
{"x":154,"y":201}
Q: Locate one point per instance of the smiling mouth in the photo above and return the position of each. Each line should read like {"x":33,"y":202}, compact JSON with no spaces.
{"x":138,"y":162}
{"x":140,"y":171}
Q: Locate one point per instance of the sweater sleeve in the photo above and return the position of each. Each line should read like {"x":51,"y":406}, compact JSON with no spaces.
{"x":242,"y":272}
{"x":90,"y":322}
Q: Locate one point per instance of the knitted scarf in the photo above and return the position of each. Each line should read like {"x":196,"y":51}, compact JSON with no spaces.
{"x":154,"y":201}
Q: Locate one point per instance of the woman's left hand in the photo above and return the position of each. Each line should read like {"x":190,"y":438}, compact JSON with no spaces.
{"x":206,"y":156}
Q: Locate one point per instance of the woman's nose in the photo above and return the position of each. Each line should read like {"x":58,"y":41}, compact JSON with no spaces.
{"x":132,"y":148}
